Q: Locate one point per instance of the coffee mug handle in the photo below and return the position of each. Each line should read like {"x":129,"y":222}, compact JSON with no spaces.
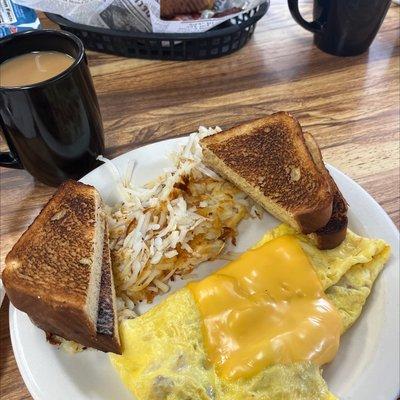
{"x":314,"y":26}
{"x":7,"y":158}
{"x":8,"y":161}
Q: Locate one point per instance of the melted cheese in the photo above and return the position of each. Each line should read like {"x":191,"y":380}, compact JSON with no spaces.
{"x":266,"y":307}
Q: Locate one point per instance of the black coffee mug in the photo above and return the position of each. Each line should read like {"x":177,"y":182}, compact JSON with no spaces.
{"x":53,"y":128}
{"x":343,"y":27}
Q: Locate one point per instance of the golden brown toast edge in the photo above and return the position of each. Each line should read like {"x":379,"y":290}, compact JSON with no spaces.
{"x":307,"y":220}
{"x":47,"y":313}
{"x":107,"y":338}
{"x":334,"y":232}
{"x":171,"y":8}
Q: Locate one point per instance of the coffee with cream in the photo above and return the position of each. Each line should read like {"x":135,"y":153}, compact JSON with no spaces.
{"x":49,"y":114}
{"x":35,"y":67}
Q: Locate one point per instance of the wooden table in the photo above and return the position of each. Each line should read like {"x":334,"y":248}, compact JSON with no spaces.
{"x":351,"y":105}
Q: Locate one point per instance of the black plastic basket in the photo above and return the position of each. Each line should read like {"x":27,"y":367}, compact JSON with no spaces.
{"x":224,"y":39}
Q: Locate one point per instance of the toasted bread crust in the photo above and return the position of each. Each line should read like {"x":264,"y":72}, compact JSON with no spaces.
{"x":334,"y":232}
{"x":67,"y":218}
{"x":311,"y":221}
{"x":268,"y":159}
{"x":51,"y":318}
{"x":170,"y":8}
{"x":49,"y":271}
{"x":107,"y":338}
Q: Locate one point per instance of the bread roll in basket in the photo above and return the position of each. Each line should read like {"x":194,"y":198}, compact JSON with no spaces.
{"x":170,"y":8}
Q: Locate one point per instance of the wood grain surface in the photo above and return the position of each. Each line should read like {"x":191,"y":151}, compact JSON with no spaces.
{"x":351,"y":105}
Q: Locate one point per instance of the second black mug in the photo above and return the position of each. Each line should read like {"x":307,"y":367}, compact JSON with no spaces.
{"x":53,"y":128}
{"x":343,"y":27}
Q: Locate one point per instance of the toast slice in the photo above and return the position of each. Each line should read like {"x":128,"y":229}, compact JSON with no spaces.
{"x":171,"y":8}
{"x":107,"y":338}
{"x":334,"y":232}
{"x":53,"y":273}
{"x":269,"y":160}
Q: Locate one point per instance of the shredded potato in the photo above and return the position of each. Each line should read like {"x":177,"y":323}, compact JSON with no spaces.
{"x":169,"y":226}
{"x":68,"y":346}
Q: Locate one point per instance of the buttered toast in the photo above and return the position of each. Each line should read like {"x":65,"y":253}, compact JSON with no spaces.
{"x":334,"y":232}
{"x":107,"y":338}
{"x":54,"y":272}
{"x":268,"y":159}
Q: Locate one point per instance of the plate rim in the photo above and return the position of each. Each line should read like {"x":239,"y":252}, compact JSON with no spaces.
{"x":18,"y":354}
{"x":2,"y":292}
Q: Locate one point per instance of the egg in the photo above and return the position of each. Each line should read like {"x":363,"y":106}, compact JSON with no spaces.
{"x":165,"y":356}
{"x":331,"y":265}
{"x":347,"y":272}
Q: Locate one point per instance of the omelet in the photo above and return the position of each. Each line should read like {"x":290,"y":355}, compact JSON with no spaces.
{"x":347,"y":272}
{"x":164,"y":353}
{"x":164,"y":358}
{"x":331,"y":265}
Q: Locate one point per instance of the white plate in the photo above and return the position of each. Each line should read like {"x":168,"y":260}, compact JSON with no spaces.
{"x":2,"y":292}
{"x":366,"y":367}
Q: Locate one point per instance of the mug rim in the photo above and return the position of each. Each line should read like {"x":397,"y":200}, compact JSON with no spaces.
{"x":53,"y":32}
